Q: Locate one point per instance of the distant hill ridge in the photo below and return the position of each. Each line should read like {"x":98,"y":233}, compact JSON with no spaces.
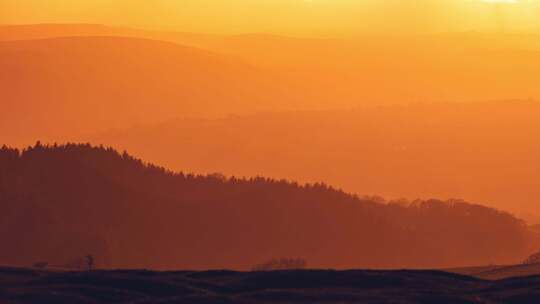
{"x":96,"y":82}
{"x":63,"y":202}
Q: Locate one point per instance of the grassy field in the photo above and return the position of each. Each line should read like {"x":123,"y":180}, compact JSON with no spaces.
{"x":306,"y":286}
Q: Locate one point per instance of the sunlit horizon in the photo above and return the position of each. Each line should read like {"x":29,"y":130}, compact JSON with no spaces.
{"x":286,"y":17}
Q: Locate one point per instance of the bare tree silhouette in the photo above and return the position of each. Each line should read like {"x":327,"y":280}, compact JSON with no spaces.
{"x":90,"y":262}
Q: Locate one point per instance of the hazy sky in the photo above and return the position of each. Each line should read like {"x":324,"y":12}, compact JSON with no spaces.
{"x":281,"y":16}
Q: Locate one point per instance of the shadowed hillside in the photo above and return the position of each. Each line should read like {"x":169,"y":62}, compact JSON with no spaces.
{"x":63,"y":202}
{"x":19,"y":286}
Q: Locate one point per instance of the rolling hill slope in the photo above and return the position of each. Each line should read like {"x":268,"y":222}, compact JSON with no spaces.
{"x":500,"y":272}
{"x":23,"y":286}
{"x":128,"y":76}
{"x":470,"y":66}
{"x":61,"y":203}
{"x":482,"y":152}
{"x":83,"y":84}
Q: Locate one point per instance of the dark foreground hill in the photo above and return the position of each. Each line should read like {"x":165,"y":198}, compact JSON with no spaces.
{"x":497,"y":272}
{"x":61,"y":203}
{"x":310,"y":286}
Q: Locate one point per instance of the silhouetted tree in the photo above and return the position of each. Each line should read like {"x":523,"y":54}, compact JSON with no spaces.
{"x":40,"y":265}
{"x":533,"y":259}
{"x":90,"y":262}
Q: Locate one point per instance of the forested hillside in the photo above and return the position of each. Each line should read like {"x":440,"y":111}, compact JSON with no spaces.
{"x":481,"y":152}
{"x":62,"y":202}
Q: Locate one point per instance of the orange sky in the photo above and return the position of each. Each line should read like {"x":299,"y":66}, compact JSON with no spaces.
{"x":298,"y":17}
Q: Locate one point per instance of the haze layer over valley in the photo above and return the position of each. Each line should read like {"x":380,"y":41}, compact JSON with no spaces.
{"x":409,"y":116}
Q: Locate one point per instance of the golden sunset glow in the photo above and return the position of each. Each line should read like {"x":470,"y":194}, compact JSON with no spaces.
{"x":502,"y":1}
{"x":269,"y":136}
{"x":293,"y":17}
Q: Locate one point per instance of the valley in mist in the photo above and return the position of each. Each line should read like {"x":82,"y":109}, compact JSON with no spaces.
{"x":441,"y":115}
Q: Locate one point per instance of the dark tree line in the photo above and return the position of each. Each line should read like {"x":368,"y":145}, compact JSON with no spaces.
{"x":60,"y":202}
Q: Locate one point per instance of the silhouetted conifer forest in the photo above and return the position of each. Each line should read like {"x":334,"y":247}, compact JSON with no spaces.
{"x":60,"y":203}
